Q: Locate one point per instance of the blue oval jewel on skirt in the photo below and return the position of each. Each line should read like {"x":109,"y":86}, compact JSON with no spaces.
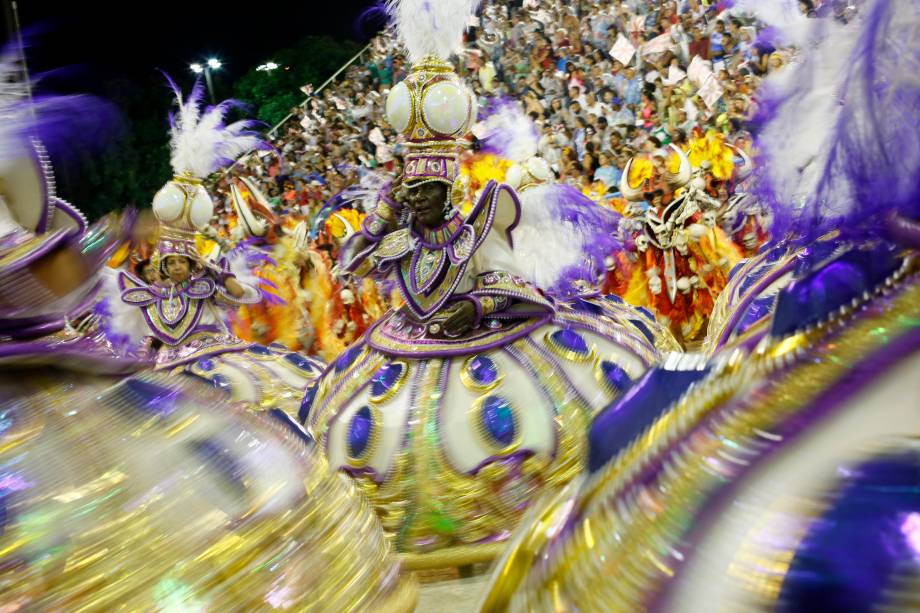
{"x":648,"y":314}
{"x":483,"y":370}
{"x":291,"y":426}
{"x":299,"y":361}
{"x":347,"y":358}
{"x":588,"y":307}
{"x":306,"y":405}
{"x":206,"y":364}
{"x":385,"y":379}
{"x":615,"y":376}
{"x":643,"y":329}
{"x":498,"y":419}
{"x":260,"y":350}
{"x":152,"y":397}
{"x":359,"y":432}
{"x":613,"y":298}
{"x":571,"y":340}
{"x":221,"y":382}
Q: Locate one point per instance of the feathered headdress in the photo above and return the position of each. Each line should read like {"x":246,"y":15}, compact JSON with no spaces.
{"x":200,"y":141}
{"x":431,"y":27}
{"x":841,"y":135}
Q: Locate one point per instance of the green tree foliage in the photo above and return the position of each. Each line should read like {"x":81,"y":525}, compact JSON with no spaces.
{"x":314,"y":59}
{"x":134,"y":161}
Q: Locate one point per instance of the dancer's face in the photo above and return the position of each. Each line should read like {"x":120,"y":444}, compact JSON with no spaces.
{"x":427,"y":202}
{"x":150,"y":274}
{"x":178,"y":268}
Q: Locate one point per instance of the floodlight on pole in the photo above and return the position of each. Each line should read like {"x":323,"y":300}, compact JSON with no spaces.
{"x":267,"y":67}
{"x":206,"y":68}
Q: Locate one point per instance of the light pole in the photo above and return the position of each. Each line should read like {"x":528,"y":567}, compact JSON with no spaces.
{"x":206,"y":68}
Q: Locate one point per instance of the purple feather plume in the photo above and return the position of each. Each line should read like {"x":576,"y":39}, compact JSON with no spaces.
{"x":505,"y":131}
{"x":840,"y":140}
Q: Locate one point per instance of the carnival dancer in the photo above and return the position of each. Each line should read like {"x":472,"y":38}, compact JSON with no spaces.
{"x":681,"y":263}
{"x":140,"y":479}
{"x":780,"y":476}
{"x":455,"y":410}
{"x":720,"y":170}
{"x":184,"y":314}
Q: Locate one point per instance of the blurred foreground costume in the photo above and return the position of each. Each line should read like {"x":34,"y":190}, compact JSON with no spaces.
{"x":147,"y":491}
{"x":782,"y":474}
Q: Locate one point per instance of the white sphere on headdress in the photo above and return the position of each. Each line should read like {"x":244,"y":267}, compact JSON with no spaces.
{"x":514,"y":177}
{"x":169,"y":203}
{"x":446,"y":108}
{"x":181,"y":205}
{"x":399,"y":107}
{"x":540,"y":169}
{"x":202,"y":208}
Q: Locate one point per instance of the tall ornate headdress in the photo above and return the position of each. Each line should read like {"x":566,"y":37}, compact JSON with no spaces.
{"x":200,"y":144}
{"x":431,"y":107}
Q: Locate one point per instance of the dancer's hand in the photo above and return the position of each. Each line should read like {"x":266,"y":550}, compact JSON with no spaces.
{"x":234,"y":288}
{"x":460,"y":318}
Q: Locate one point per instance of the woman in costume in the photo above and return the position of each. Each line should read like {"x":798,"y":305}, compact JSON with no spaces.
{"x":149,"y":491}
{"x":784,"y":476}
{"x":184,"y":313}
{"x":455,"y":410}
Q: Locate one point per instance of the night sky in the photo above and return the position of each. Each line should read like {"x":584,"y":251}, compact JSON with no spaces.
{"x":95,"y":40}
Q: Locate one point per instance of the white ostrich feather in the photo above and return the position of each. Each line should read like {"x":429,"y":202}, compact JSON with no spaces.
{"x":508,"y":132}
{"x":431,"y":27}
{"x":200,"y":142}
{"x":784,"y":15}
{"x":842,"y":141}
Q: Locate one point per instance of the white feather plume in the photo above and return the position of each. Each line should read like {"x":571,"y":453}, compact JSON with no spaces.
{"x":241,"y":266}
{"x":200,"y":143}
{"x":784,"y":15}
{"x":842,"y":141}
{"x":543,"y":246}
{"x":364,"y":195}
{"x":123,"y":324}
{"x":508,"y":132}
{"x":562,"y":237}
{"x":431,"y":27}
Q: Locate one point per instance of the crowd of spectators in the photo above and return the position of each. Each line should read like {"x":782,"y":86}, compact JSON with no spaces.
{"x":602,"y":79}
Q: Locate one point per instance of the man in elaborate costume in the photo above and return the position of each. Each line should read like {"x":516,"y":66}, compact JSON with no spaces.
{"x":455,"y":409}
